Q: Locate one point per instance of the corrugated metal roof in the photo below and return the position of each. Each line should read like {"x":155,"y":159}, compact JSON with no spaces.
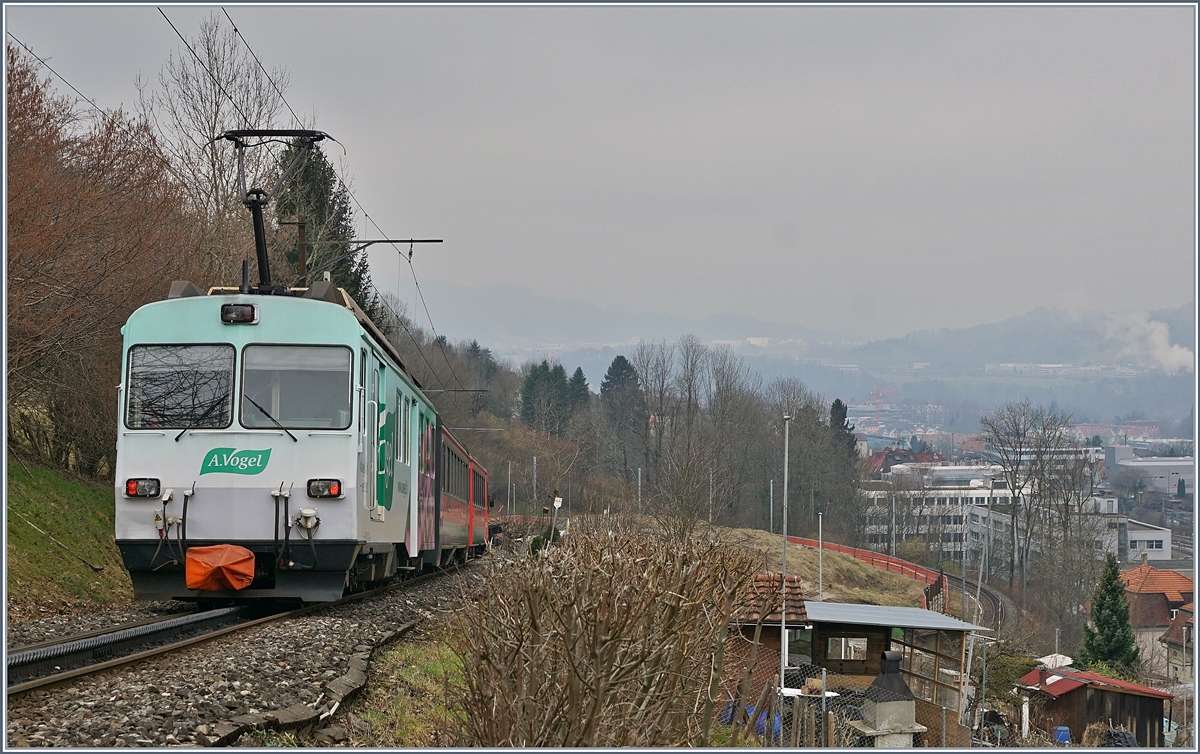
{"x":878,"y":615}
{"x":1060,"y":681}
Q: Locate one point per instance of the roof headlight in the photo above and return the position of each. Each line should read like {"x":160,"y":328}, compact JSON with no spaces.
{"x":239,"y":314}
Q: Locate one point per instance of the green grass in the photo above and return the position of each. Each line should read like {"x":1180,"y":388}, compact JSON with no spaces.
{"x":45,"y":576}
{"x":407,"y":702}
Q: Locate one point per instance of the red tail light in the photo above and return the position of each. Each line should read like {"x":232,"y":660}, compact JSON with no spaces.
{"x":141,"y":487}
{"x":324,"y":488}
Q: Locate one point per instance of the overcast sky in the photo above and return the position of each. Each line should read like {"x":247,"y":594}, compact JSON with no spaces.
{"x":861,"y":170}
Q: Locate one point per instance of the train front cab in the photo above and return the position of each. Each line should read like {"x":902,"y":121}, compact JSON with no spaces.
{"x":228,"y":472}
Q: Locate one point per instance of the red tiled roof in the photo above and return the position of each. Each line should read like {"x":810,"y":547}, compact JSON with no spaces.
{"x":1066,"y":681}
{"x":765,"y":590}
{"x":1146,"y":579}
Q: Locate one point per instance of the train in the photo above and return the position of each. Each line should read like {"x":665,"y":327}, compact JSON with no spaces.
{"x":272,"y":445}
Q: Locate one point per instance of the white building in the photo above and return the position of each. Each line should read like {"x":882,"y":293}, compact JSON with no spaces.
{"x":1152,"y":541}
{"x":931,"y":503}
{"x":1164,"y":472}
{"x":963,"y":512}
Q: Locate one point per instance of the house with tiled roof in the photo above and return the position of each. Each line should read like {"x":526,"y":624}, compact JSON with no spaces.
{"x":765,"y":595}
{"x":1077,"y":698}
{"x":1178,"y":640}
{"x":1154,"y":596}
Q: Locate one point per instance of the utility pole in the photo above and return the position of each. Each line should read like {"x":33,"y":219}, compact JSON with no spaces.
{"x":893,"y":524}
{"x":783,"y":647}
{"x":820,"y":556}
{"x":771,"y":526}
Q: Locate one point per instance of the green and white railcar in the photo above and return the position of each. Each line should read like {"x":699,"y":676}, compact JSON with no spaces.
{"x":284,"y":425}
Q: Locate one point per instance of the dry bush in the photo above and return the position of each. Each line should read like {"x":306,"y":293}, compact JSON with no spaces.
{"x":600,"y":640}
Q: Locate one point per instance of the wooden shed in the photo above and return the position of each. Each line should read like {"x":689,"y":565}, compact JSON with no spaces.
{"x":1078,"y":698}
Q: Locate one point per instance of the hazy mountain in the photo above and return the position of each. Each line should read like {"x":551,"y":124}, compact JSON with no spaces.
{"x":1164,"y":338}
{"x":523,"y":325}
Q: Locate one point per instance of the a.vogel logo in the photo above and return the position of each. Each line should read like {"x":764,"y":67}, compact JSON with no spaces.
{"x":233,"y":461}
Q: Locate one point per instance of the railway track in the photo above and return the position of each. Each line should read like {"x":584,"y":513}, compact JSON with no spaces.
{"x":51,"y":663}
{"x":990,"y":605}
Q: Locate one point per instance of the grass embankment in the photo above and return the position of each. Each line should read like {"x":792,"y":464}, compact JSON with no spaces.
{"x":846,"y":579}
{"x":407,"y":703}
{"x":45,"y":576}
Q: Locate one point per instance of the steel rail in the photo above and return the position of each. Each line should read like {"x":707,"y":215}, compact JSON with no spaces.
{"x":992,"y":612}
{"x":90,"y":634}
{"x":81,"y":652}
{"x":59,"y":678}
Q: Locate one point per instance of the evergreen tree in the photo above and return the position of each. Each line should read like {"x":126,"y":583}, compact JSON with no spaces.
{"x":315,"y":191}
{"x":843,"y":429}
{"x":624,"y":407}
{"x":1111,"y":641}
{"x":547,"y":398}
{"x":577,"y":390}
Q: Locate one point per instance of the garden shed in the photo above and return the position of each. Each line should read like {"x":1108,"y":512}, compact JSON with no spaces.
{"x":1077,"y":698}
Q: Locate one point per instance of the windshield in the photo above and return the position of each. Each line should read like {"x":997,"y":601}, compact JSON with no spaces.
{"x":175,"y":387}
{"x":301,"y":387}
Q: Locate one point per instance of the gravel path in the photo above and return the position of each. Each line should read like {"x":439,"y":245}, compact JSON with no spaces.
{"x":189,"y":697}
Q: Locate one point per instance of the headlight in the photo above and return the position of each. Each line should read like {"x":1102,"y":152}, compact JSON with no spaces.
{"x":234,"y":314}
{"x":141,"y":487}
{"x":324,"y":488}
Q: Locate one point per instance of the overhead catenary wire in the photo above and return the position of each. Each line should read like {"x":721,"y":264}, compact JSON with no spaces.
{"x":245,"y":118}
{"x":266,"y":75}
{"x":211,"y":75}
{"x":420,"y":352}
{"x":342,"y":177}
{"x":103,"y":113}
{"x":167,"y":165}
{"x":436,"y":338}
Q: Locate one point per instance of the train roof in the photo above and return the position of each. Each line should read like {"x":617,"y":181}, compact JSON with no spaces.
{"x":322,"y":290}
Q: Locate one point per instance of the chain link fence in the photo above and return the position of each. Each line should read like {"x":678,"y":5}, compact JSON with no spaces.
{"x":829,"y":711}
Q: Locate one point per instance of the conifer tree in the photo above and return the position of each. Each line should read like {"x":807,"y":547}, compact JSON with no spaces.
{"x":1109,"y":640}
{"x":577,"y":389}
{"x":315,"y":191}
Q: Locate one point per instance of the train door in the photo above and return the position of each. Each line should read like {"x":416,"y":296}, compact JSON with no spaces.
{"x":427,"y":479}
{"x":400,"y":425}
{"x":370,"y":438}
{"x":385,"y":463}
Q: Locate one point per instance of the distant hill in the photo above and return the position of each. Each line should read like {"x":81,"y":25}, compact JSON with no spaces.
{"x":1043,"y":336}
{"x":523,"y":323}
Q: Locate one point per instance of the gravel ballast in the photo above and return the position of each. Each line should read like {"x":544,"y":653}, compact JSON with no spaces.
{"x":277,"y":675}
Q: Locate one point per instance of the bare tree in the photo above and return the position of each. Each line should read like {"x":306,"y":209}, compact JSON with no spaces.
{"x":654,"y":364}
{"x":1009,"y":433}
{"x":205,"y":88}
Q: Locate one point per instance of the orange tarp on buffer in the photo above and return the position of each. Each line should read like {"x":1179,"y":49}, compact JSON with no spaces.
{"x":219,"y":567}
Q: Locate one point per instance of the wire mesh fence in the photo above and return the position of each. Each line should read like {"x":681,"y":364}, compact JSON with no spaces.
{"x":824,"y":710}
